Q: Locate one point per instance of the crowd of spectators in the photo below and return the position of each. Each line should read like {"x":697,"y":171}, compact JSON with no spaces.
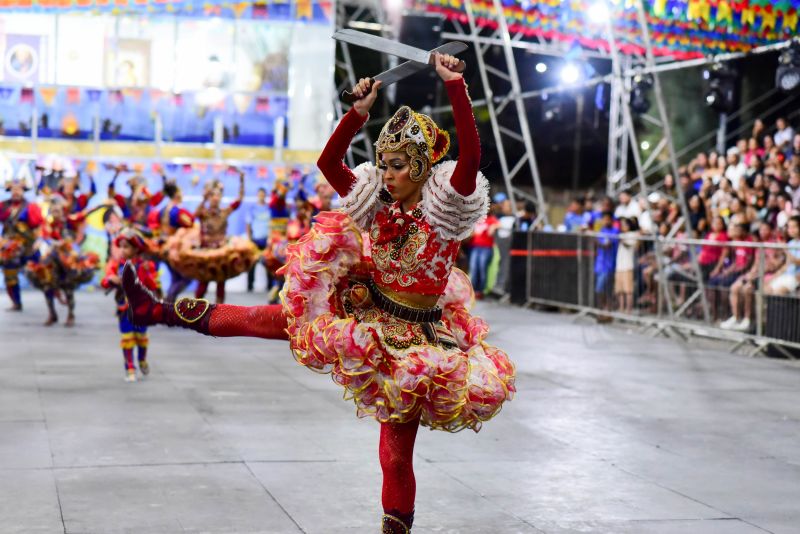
{"x":751,"y":193}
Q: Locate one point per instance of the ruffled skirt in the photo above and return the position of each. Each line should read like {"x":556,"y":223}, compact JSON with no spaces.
{"x":183,"y":252}
{"x":385,"y":365}
{"x":60,"y":268}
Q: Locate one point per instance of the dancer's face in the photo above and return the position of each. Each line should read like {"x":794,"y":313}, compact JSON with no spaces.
{"x":397,"y":177}
{"x":16,"y":192}
{"x":127,"y":250}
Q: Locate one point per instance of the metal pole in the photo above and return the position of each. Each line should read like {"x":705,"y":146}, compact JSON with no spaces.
{"x":722,"y":133}
{"x":487,"y":89}
{"x":576,"y":155}
{"x":662,"y":111}
{"x":760,"y":300}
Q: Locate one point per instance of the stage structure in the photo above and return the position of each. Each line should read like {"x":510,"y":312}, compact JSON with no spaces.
{"x":640,"y":38}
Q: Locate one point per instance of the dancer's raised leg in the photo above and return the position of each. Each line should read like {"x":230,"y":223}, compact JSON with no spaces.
{"x":222,"y":320}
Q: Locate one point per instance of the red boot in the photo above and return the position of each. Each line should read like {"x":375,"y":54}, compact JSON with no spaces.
{"x":145,"y":309}
{"x":396,"y":523}
{"x":222,"y":320}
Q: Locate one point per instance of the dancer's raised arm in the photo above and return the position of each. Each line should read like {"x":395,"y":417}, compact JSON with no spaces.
{"x":330,"y":161}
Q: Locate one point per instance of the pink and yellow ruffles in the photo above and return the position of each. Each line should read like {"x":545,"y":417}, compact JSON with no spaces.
{"x":391,"y":372}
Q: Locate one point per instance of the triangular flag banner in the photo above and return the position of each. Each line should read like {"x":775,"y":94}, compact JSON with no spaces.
{"x":304,"y":9}
{"x":116,"y":97}
{"x":263,"y":172}
{"x":73,"y":95}
{"x":242,"y":101}
{"x":177,"y":99}
{"x":26,"y":95}
{"x":136,"y":94}
{"x":187,"y":168}
{"x":6,"y":92}
{"x":260,"y":10}
{"x":48,"y":94}
{"x":93,"y":94}
{"x":156,"y":95}
{"x":172,"y":167}
{"x":239,"y":8}
{"x":262,"y":104}
{"x":218,"y":168}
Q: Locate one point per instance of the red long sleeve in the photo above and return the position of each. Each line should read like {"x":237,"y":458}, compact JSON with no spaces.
{"x":469,"y":145}
{"x":330,"y":161}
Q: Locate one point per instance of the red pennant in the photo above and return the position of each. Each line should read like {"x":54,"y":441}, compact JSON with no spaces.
{"x":73,"y":95}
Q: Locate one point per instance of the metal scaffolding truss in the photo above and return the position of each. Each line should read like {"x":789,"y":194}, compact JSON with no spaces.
{"x":622,"y":136}
{"x":503,"y":99}
{"x":368,"y":13}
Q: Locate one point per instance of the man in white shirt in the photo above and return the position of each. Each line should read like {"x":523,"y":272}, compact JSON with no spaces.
{"x":784,"y":135}
{"x":628,"y":207}
{"x":736,"y":170}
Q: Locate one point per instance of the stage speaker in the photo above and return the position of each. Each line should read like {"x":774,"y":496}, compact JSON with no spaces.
{"x":420,"y":31}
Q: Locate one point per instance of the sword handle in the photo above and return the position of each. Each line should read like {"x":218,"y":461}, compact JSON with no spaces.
{"x":461,"y":67}
{"x":351,"y":98}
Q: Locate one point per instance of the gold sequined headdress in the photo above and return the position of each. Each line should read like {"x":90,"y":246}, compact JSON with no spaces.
{"x":416,"y":135}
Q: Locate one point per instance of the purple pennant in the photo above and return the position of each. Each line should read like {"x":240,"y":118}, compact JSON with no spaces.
{"x":6,"y":92}
{"x":26,"y":95}
{"x":93,"y":94}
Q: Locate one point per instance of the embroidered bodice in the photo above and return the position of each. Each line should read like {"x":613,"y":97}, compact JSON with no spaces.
{"x":408,"y":253}
{"x":413,"y":252}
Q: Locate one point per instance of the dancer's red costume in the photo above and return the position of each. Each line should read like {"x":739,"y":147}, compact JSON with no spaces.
{"x":402,"y":364}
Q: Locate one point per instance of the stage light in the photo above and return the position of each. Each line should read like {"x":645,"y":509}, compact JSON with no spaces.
{"x":638,"y":98}
{"x":720,"y":93}
{"x":787,"y":77}
{"x":570,"y":73}
{"x":394,"y":5}
{"x":645,"y":145}
{"x":551,"y":107}
{"x":541,"y":68}
{"x":598,"y":12}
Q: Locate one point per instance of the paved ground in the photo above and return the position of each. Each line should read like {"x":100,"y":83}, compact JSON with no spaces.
{"x":610,"y":432}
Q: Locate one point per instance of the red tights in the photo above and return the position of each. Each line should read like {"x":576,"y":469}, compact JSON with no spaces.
{"x":396,"y":453}
{"x":266,"y":322}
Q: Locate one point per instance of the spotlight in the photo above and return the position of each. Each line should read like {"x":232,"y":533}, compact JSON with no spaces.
{"x":551,"y":107}
{"x":570,"y":73}
{"x":598,"y":12}
{"x":639,"y":89}
{"x":787,"y":77}
{"x":645,"y":145}
{"x":541,"y":68}
{"x":721,"y":87}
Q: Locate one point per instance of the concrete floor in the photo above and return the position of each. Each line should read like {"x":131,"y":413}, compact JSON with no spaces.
{"x":610,"y":432}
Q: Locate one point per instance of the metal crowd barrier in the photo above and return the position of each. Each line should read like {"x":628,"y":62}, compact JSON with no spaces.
{"x":565,"y":270}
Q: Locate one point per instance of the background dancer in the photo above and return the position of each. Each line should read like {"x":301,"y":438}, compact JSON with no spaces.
{"x":21,"y":220}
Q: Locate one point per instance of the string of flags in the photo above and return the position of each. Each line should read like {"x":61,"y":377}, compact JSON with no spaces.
{"x":682,"y":29}
{"x":240,"y":103}
{"x":286,"y":10}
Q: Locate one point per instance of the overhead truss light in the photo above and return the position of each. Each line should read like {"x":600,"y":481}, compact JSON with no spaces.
{"x":721,"y":87}
{"x":787,"y":77}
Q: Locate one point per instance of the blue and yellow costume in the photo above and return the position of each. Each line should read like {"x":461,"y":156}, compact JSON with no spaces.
{"x":131,"y":335}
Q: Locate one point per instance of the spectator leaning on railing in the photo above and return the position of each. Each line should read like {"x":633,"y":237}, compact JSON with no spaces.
{"x":786,"y":279}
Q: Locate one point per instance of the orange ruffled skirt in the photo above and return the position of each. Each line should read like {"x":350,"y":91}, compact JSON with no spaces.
{"x":386,"y":365}
{"x":184,"y":254}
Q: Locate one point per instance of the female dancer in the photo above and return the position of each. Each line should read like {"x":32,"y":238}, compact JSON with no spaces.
{"x":394,"y":332}
{"x":57,"y":267}
{"x":207,"y":254}
{"x":164,"y":223}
